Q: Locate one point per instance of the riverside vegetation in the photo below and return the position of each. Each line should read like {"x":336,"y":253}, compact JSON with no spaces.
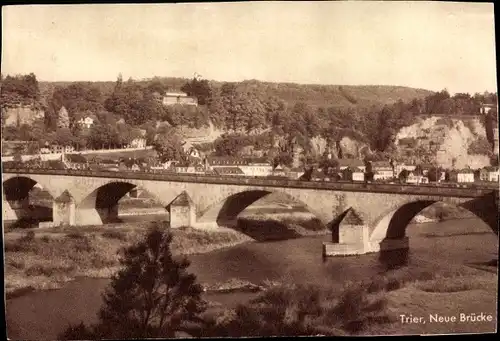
{"x":46,"y":259}
{"x":361,"y":308}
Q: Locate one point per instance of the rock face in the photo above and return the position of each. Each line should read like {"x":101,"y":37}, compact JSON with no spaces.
{"x":22,"y":115}
{"x":445,"y":139}
{"x":344,"y":148}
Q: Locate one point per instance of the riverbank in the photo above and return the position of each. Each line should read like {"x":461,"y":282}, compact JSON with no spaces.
{"x":48,"y":258}
{"x":367,"y":308}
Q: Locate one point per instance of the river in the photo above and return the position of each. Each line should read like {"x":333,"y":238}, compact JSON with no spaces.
{"x":436,"y":246}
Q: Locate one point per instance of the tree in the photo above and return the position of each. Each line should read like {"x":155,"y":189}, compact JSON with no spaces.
{"x":329,"y":166}
{"x":152,"y":296}
{"x":200,"y":89}
{"x":403,"y":175}
{"x":168,"y":145}
{"x":480,"y":146}
{"x":284,"y":159}
{"x":64,"y":137}
{"x":434,"y":174}
{"x":63,"y":118}
{"x":229,"y":145}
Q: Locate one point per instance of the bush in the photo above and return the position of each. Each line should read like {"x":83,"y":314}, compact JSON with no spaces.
{"x":302,"y":310}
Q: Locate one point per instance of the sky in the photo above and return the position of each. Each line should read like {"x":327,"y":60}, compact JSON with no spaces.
{"x":429,"y":45}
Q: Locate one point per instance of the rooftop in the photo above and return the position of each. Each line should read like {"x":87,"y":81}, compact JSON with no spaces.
{"x":182,"y":199}
{"x":350,"y":163}
{"x":352,"y":218}
{"x":229,"y":170}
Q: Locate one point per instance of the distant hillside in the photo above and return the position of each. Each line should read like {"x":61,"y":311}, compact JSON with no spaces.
{"x":341,"y":96}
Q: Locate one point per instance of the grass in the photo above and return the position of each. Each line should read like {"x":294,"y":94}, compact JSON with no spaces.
{"x":46,"y":259}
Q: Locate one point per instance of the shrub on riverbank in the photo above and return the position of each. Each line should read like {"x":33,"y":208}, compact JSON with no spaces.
{"x":301,"y":310}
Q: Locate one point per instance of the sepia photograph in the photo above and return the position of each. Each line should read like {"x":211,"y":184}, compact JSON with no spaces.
{"x":249,"y":169}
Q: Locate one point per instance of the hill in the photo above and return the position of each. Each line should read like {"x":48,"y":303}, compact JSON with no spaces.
{"x":341,"y":96}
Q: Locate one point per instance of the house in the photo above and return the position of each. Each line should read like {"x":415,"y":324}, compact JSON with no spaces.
{"x":189,"y":168}
{"x":140,"y":141}
{"x":463,"y":175}
{"x":318,"y":176}
{"x":193,"y":152}
{"x":489,"y":174}
{"x":135,"y":167}
{"x":74,"y":161}
{"x":295,"y":173}
{"x":426,"y":168}
{"x":416,"y":178}
{"x":249,"y":166}
{"x":358,"y":174}
{"x":56,"y":149}
{"x":399,"y":168}
{"x":86,"y":121}
{"x":175,"y":98}
{"x":279,"y":171}
{"x":382,"y":170}
{"x":353,"y":163}
{"x":228,"y":171}
{"x":485,"y":108}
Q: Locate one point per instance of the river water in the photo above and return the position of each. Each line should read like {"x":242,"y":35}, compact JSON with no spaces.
{"x":436,"y":246}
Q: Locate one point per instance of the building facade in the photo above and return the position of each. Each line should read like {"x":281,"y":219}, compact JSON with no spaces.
{"x":179,"y":98}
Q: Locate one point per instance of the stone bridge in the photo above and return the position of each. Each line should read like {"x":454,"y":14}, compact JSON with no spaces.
{"x":358,"y":214}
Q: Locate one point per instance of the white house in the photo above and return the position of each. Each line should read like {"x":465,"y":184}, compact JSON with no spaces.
{"x":249,"y":166}
{"x":489,"y":174}
{"x":382,"y":170}
{"x":465,"y":175}
{"x":358,"y":174}
{"x":87,"y":122}
{"x":173,"y":98}
{"x":139,"y":142}
{"x":399,"y":168}
{"x":416,"y":179}
{"x":56,"y":149}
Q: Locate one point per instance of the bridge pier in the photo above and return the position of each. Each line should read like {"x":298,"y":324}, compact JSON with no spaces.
{"x":182,"y":211}
{"x":354,"y":239}
{"x":63,"y":210}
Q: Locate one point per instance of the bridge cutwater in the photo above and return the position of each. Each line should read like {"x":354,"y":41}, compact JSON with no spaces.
{"x":363,"y":217}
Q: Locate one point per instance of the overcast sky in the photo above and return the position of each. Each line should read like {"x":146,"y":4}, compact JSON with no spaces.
{"x":424,"y":45}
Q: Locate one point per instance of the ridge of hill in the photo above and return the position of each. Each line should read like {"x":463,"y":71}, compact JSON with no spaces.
{"x":342,"y":96}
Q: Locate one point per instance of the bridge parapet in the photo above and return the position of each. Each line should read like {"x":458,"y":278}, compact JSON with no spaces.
{"x":431,"y":190}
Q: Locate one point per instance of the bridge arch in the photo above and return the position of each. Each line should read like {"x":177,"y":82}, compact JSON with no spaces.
{"x":227,"y":210}
{"x":393,"y":224}
{"x":18,"y":187}
{"x":16,"y":201}
{"x":101,"y":205}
